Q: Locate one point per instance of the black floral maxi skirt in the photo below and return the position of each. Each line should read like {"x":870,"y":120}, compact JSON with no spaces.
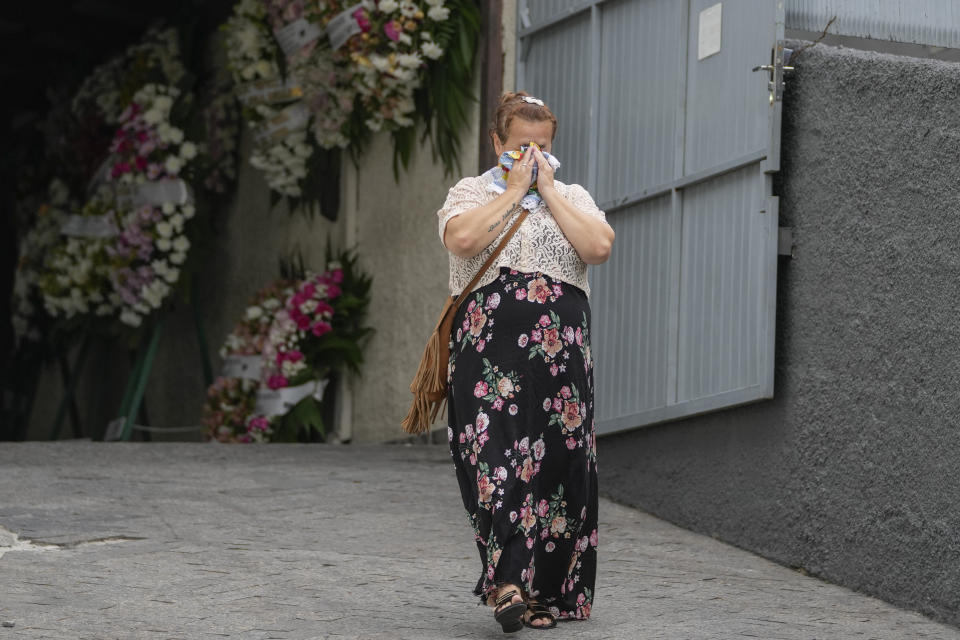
{"x":522,"y":438}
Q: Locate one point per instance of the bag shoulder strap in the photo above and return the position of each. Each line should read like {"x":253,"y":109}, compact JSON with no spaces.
{"x":493,"y":256}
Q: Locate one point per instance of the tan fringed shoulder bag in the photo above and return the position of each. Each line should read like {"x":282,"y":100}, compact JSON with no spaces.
{"x":429,"y":386}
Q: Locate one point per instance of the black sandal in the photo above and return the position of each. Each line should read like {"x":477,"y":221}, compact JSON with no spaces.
{"x":539,"y":612}
{"x":510,"y":616}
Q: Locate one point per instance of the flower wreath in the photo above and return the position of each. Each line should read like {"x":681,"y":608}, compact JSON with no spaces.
{"x":387,"y":53}
{"x":43,"y":235}
{"x":298,"y":334}
{"x":231,"y":399}
{"x":135,"y":254}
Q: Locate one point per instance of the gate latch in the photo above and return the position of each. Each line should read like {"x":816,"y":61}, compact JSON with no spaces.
{"x":779,"y":59}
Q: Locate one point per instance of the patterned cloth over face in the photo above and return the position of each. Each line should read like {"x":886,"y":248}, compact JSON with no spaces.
{"x":532,"y":199}
{"x":522,"y":437}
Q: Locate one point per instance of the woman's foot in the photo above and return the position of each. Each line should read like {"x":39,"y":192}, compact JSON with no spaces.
{"x":538,"y":616}
{"x":508,"y":607}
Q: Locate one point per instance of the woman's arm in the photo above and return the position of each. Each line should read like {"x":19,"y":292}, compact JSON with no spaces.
{"x":472,"y":231}
{"x":590,"y":236}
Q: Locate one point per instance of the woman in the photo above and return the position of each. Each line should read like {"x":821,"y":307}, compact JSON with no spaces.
{"x":521,"y":375}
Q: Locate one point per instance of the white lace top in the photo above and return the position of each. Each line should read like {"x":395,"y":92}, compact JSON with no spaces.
{"x":539,"y":244}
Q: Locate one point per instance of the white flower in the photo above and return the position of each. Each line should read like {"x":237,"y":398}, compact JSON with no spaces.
{"x":177,"y":222}
{"x":432,"y":50}
{"x":130,"y":318}
{"x":408,"y":9}
{"x":380,"y":63}
{"x":435,"y":3}
{"x":188,"y":151}
{"x":188,"y":211}
{"x":172,"y":275}
{"x":165,"y":229}
{"x":172,"y":165}
{"x":411,"y":60}
{"x":176,"y":135}
{"x":163,"y":244}
{"x":438,"y":13}
{"x":181,"y":244}
{"x":168,"y":208}
{"x":163,"y":103}
{"x":388,"y":6}
{"x":152,"y":116}
{"x":254,"y":312}
{"x":178,"y":258}
{"x":405,"y":39}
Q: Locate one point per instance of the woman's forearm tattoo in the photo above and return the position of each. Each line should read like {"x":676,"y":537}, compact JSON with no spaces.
{"x":502,"y":218}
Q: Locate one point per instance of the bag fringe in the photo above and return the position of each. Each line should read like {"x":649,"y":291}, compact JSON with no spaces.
{"x":429,"y":388}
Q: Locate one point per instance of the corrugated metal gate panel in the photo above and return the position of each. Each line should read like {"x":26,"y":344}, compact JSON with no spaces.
{"x":930,"y":22}
{"x":678,"y":155}
{"x":721,"y":286}
{"x":637,"y":139}
{"x":628,"y":329}
{"x":561,"y":57}
{"x":726,"y":114}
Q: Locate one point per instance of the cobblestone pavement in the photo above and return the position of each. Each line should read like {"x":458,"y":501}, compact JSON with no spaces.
{"x":188,"y":540}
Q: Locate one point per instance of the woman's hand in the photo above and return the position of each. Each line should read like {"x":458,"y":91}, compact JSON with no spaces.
{"x":544,"y":171}
{"x":521,"y":173}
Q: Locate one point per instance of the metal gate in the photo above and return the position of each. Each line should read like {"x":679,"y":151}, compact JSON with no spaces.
{"x":665,"y":121}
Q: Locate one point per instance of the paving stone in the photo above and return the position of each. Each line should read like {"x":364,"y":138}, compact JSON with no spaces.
{"x":187,"y":540}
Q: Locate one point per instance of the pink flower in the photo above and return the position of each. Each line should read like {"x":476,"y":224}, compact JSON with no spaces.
{"x":557,"y":404}
{"x":568,"y":334}
{"x":277,"y":381}
{"x":536,"y":335}
{"x":523,"y":446}
{"x":481,"y":389}
{"x":551,"y":342}
{"x":521,"y":294}
{"x":480,"y":345}
{"x":392,"y":30}
{"x":579,"y":336}
{"x":485,"y":488}
{"x":360,"y":15}
{"x":292,"y":356}
{"x":522,"y":340}
{"x":537,"y":291}
{"x":303,"y":322}
{"x":571,"y":444}
{"x":529,"y":543}
{"x":260,"y":422}
{"x":539,"y":448}
{"x":550,"y":546}
{"x":493,"y":301}
{"x":593,"y":538}
{"x":554,"y":369}
{"x":483,"y":420}
{"x":320,"y":327}
{"x":513,"y":409}
{"x":543,"y":508}
{"x":544,"y":321}
{"x":546,"y":404}
{"x":565,"y":391}
{"x":498,"y":403}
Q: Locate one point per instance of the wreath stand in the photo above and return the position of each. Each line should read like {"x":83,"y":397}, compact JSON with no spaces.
{"x":122,"y":427}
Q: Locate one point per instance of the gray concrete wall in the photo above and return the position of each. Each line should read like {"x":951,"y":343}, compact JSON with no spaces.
{"x":850,"y":472}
